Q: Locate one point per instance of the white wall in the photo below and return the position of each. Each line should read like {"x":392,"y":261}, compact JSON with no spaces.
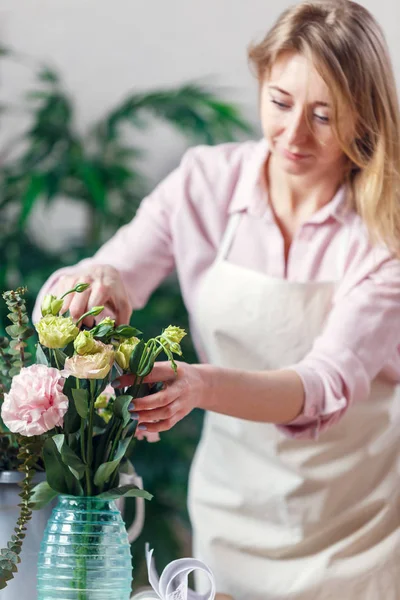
{"x":104,"y":48}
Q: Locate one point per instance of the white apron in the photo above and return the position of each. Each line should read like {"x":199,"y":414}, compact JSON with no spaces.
{"x":277,"y":518}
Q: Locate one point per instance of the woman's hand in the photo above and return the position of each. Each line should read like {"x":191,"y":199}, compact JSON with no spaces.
{"x":106,"y":289}
{"x":182,"y":393}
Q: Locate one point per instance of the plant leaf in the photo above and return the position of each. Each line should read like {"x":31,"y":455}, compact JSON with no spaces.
{"x":59,"y":477}
{"x":135,"y":357}
{"x":72,"y":461}
{"x":127,"y":331}
{"x":125,"y":491}
{"x":35,"y":188}
{"x":41,"y":358}
{"x":72,"y":420}
{"x":81,"y":400}
{"x":120,"y":408}
{"x":106,"y":470}
{"x":42,"y":495}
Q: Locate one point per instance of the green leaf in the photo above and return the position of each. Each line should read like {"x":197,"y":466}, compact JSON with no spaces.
{"x":49,"y":75}
{"x":125,"y":491}
{"x":135,"y":357}
{"x":41,"y":358}
{"x":42,"y":495}
{"x":72,"y":420}
{"x":61,"y":357}
{"x":101,"y":331}
{"x":9,"y":555}
{"x":35,"y":189}
{"x":81,"y":399}
{"x":127,"y":331}
{"x":148,"y":364}
{"x":59,"y":477}
{"x":120,"y":408}
{"x":15,"y":330}
{"x":92,"y":180}
{"x":72,"y":461}
{"x":29,"y":332}
{"x":106,"y":470}
{"x":14,"y":371}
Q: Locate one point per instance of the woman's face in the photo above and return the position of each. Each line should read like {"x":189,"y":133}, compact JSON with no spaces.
{"x":292,"y":90}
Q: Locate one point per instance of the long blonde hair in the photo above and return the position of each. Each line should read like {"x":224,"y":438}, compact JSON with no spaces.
{"x":348,"y":48}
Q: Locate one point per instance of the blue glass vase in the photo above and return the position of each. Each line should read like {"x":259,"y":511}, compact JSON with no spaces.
{"x":85,"y":552}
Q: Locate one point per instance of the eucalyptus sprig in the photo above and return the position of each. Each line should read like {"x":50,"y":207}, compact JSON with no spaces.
{"x":30,"y":451}
{"x":13,"y":356}
{"x":19,"y":331}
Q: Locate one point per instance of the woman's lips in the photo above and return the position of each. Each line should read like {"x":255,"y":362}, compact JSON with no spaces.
{"x":294,"y":155}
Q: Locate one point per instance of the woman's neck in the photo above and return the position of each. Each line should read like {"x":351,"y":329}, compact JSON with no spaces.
{"x":294,"y":199}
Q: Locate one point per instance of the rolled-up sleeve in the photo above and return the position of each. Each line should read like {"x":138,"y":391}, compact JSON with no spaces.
{"x":359,"y":341}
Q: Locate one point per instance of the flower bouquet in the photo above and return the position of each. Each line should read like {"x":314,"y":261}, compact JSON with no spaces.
{"x":59,"y":409}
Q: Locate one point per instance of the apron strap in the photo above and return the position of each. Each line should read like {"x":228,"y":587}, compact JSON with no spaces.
{"x":228,"y":236}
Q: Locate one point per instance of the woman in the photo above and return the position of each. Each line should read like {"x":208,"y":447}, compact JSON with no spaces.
{"x":287,"y":255}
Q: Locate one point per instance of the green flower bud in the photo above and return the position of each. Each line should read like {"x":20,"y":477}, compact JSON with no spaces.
{"x":171,"y":338}
{"x":84,"y":343}
{"x":101,"y":401}
{"x":93,"y":312}
{"x":81,"y":287}
{"x":173,"y":334}
{"x":51,"y":305}
{"x":107,"y":321}
{"x":124,"y":351}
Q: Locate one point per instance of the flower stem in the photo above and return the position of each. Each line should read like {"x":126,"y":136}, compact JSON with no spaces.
{"x":89,"y":453}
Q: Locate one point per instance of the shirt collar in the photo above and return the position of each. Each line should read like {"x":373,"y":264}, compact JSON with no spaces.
{"x":251,"y":196}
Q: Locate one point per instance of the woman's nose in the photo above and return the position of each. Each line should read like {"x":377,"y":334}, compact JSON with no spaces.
{"x":297,"y":128}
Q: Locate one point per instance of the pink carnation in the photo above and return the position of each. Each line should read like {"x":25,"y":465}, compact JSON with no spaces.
{"x":35,"y":403}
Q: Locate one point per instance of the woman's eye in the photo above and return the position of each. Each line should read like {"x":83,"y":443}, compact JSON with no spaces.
{"x":280,"y":104}
{"x":321,"y":118}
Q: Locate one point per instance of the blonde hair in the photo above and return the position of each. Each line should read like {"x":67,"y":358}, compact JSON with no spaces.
{"x":348,"y":49}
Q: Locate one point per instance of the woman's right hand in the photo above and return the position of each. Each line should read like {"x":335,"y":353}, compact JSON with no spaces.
{"x":106,"y":289}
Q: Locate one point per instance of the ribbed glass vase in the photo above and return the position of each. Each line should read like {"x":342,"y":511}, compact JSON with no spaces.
{"x":85,"y":552}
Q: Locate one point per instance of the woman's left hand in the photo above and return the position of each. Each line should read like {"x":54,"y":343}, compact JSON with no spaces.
{"x":183,"y":391}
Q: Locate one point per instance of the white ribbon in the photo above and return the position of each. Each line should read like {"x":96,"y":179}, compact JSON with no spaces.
{"x":173,"y":583}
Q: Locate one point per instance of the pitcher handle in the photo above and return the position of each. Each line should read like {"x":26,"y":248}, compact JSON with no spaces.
{"x":137,"y":526}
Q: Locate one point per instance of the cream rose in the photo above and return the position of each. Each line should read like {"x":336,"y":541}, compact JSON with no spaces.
{"x":90,"y":366}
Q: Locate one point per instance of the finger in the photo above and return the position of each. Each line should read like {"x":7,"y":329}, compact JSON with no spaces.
{"x":99,"y":293}
{"x":123,"y":314}
{"x":63,"y":285}
{"x":158,"y":414}
{"x":107,"y":291}
{"x":107,"y":312}
{"x":162,"y":371}
{"x":79,"y":302}
{"x":161,"y":425}
{"x":123,"y":381}
{"x":88,"y":321}
{"x":158,"y":400}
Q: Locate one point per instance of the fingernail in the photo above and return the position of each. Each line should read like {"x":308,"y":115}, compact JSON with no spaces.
{"x":115,"y":383}
{"x":142,"y":427}
{"x":134,"y":416}
{"x":131,"y":406}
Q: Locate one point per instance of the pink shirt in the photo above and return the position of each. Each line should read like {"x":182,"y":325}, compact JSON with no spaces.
{"x":180,"y":226}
